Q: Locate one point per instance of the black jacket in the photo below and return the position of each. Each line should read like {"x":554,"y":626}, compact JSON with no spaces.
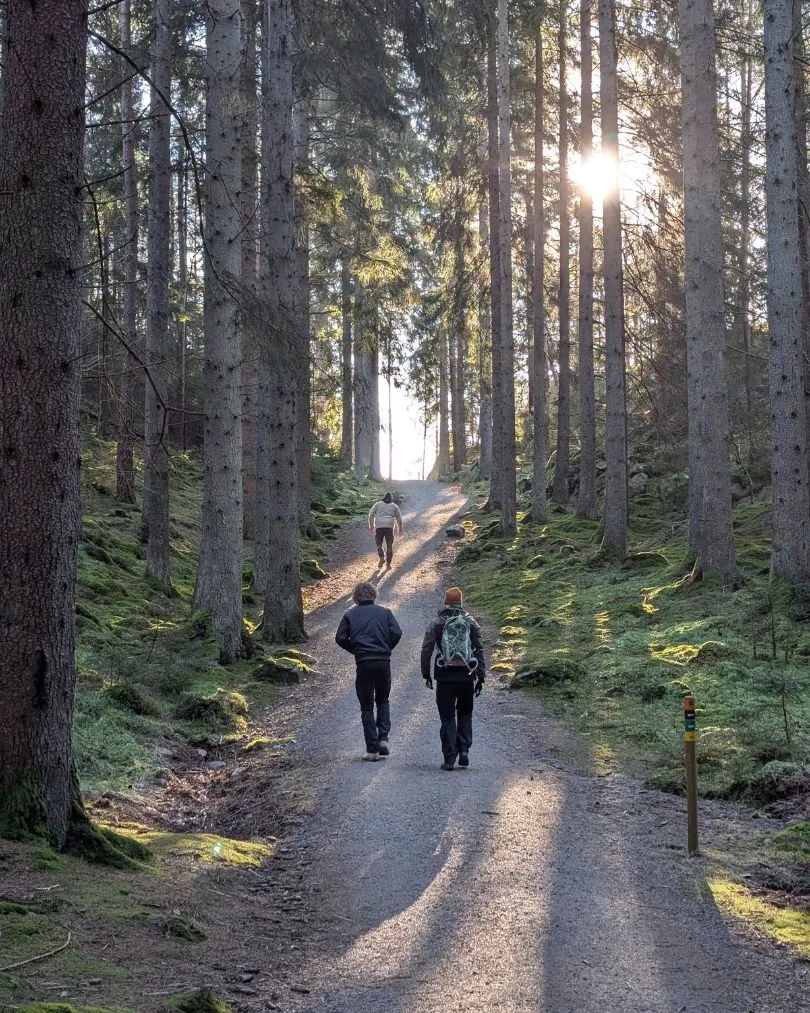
{"x":369,"y":632}
{"x":433,"y":638}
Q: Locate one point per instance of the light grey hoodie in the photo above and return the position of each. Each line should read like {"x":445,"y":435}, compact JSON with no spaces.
{"x":385,"y":515}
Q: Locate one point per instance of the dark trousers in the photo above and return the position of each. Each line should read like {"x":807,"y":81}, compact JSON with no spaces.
{"x":386,"y":535}
{"x":373,"y":685}
{"x":455,"y":703}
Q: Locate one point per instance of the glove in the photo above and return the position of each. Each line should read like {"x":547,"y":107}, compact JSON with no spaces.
{"x":429,"y":682}
{"x":479,"y":687}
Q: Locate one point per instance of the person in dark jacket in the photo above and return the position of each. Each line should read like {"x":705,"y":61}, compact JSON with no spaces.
{"x":456,"y":684}
{"x":370,"y":632}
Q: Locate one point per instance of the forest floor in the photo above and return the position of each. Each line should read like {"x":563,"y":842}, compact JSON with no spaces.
{"x":323,"y":883}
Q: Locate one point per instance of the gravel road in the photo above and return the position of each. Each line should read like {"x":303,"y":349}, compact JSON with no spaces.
{"x":522,"y":883}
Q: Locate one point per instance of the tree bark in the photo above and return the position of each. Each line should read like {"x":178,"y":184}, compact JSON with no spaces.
{"x":803,"y":189}
{"x":363,"y":409}
{"x":615,"y":516}
{"x":790,"y":551}
{"x":493,"y":191}
{"x":156,"y":464}
{"x":586,"y":501}
{"x":484,"y":361}
{"x":41,"y":278}
{"x":458,"y":355}
{"x":219,"y":574}
{"x":303,"y":358}
{"x":443,"y":463}
{"x":124,"y":464}
{"x":277,"y":429}
{"x":538,"y":359}
{"x":711,"y":535}
{"x":246,"y":319}
{"x":504,"y":404}
{"x":562,"y":467}
{"x":346,"y":381}
{"x":375,"y":465}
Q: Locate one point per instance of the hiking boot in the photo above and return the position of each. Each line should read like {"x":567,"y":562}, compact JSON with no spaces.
{"x":463,"y":759}
{"x":385,"y":749}
{"x":448,"y":765}
{"x":372,"y":757}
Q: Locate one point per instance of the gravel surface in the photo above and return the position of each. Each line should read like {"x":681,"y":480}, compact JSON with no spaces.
{"x":519,"y":884}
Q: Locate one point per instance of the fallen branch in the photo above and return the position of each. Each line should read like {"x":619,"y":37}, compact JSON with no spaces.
{"x":41,"y":956}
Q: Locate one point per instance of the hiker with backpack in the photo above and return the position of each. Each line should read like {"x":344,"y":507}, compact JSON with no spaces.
{"x":383,"y":519}
{"x":459,"y":670}
{"x":370,"y":632}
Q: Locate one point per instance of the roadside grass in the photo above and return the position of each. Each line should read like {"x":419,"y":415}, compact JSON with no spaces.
{"x":612,"y":647}
{"x":100,"y":930}
{"x":787,"y":925}
{"x":147,"y":664}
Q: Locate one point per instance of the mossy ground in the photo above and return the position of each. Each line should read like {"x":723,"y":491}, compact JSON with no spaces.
{"x":148,"y":666}
{"x":613,"y":647}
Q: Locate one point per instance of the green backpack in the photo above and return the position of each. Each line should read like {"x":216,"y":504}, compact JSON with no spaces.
{"x":455,"y":645}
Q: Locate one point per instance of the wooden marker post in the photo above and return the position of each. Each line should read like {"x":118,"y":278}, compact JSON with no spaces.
{"x":689,"y":737}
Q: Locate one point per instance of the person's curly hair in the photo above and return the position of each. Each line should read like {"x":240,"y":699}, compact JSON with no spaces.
{"x":364,"y":592}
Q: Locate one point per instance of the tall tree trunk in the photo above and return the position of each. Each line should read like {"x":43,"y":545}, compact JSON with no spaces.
{"x":538,"y":360}
{"x":803,"y":189}
{"x":283,"y":604}
{"x":246,"y":320}
{"x":586,"y":501}
{"x":493,"y":192}
{"x":375,"y":466}
{"x":124,"y":465}
{"x":559,"y":492}
{"x":443,"y":463}
{"x":156,"y":464}
{"x":41,"y":277}
{"x":743,"y":308}
{"x":346,"y":381}
{"x":182,"y":286}
{"x":790,"y":551}
{"x":303,"y":357}
{"x":458,"y":355}
{"x":615,"y":518}
{"x":219,"y":574}
{"x":505,"y":405}
{"x":363,"y":408}
{"x":484,"y":361}
{"x":710,"y":519}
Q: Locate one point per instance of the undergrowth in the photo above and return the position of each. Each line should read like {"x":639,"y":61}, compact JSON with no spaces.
{"x":147,"y":665}
{"x":612,"y":647}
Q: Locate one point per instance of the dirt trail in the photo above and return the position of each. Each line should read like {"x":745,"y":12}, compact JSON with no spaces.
{"x":520,"y":884}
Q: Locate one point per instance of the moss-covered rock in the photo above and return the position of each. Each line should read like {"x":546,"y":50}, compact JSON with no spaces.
{"x":548,"y":671}
{"x":202,"y":1001}
{"x":182,"y":928}
{"x":129,"y":697}
{"x":279,"y":670}
{"x":224,"y":710}
{"x":311,"y":569}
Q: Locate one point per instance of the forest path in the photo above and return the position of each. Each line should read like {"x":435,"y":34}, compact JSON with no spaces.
{"x":519,"y":884}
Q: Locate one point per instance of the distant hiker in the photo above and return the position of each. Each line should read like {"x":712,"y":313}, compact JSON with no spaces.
{"x":459,"y":671}
{"x":383,"y":518}
{"x":370,"y":632}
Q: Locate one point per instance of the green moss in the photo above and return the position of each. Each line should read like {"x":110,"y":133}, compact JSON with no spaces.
{"x":223,"y":710}
{"x":131,"y":698}
{"x":201,"y":1001}
{"x":311,"y":569}
{"x":795,"y":841}
{"x":64,"y":1007}
{"x":183,"y":928}
{"x":783,"y":924}
{"x":206,"y":849}
{"x":105,"y":847}
{"x":22,"y":813}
